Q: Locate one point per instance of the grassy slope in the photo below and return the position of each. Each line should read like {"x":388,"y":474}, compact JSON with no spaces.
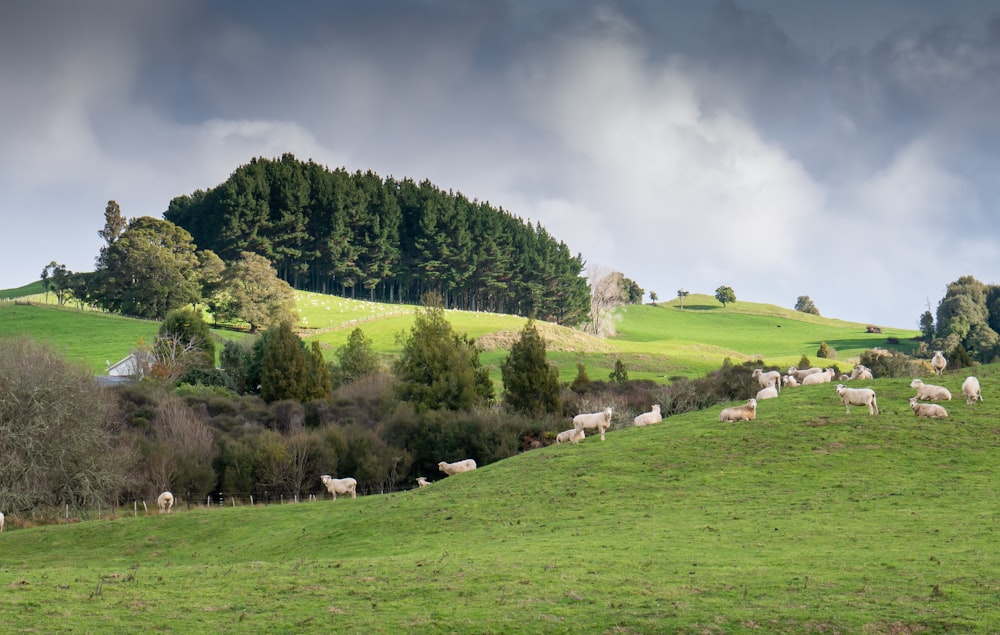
{"x":806,"y":520}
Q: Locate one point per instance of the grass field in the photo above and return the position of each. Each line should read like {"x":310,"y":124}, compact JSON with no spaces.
{"x":653,"y":341}
{"x":807,"y":520}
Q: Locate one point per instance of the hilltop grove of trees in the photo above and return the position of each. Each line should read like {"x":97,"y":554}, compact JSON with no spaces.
{"x":388,"y":240}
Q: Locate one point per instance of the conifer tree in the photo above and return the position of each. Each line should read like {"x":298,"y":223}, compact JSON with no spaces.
{"x":531,"y":384}
{"x":282,"y":364}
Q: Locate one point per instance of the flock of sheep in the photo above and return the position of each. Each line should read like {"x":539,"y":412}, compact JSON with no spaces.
{"x":770,"y":382}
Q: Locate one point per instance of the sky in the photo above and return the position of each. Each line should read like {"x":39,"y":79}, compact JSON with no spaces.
{"x":847,"y":151}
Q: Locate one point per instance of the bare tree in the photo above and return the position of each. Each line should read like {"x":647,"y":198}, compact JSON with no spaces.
{"x":181,"y":450}
{"x":606,"y":295}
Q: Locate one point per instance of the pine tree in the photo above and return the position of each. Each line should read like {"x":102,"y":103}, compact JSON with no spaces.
{"x":531,"y":384}
{"x":282,"y":364}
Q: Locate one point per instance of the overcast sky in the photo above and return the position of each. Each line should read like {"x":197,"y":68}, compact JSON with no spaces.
{"x":848,"y":151}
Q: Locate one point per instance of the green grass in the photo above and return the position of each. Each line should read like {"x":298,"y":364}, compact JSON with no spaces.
{"x":29,"y":289}
{"x":807,"y":520}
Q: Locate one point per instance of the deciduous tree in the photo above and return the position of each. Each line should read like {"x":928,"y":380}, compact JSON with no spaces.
{"x":725,"y":295}
{"x":256,"y":294}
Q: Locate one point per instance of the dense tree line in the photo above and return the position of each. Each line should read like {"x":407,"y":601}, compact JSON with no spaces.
{"x":384,"y":239}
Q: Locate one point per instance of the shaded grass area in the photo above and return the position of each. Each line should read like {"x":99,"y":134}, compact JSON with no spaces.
{"x":807,"y":520}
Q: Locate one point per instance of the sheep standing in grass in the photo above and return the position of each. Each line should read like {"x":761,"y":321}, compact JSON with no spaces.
{"x":970,"y":388}
{"x":858,"y":397}
{"x":165,"y":502}
{"x":340,"y":486}
{"x":931,"y":410}
{"x":930,"y":392}
{"x":938,"y":362}
{"x":646,"y":418}
{"x":764,"y":378}
{"x":451,"y":469}
{"x":572,"y":435}
{"x":746,"y":412}
{"x":600,"y":421}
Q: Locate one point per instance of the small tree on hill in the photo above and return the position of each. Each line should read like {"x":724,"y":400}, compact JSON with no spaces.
{"x":681,"y":293}
{"x":620,"y":374}
{"x":581,"y":379}
{"x":356,"y":358}
{"x":531,"y":384}
{"x":725,"y":295}
{"x":806,"y":305}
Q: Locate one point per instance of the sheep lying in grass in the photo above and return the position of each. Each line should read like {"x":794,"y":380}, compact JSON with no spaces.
{"x":789,"y":381}
{"x":594,"y":421}
{"x":340,"y":486}
{"x":799,"y":375}
{"x":422,"y":482}
{"x":861,"y":372}
{"x":572,"y":435}
{"x":858,"y":397}
{"x":821,"y":377}
{"x":458,"y":467}
{"x":938,"y":362}
{"x":770,"y":376}
{"x":165,"y":502}
{"x":931,"y":410}
{"x":970,"y":388}
{"x":746,"y":412}
{"x":768,"y":392}
{"x":646,"y":418}
{"x":930,"y":392}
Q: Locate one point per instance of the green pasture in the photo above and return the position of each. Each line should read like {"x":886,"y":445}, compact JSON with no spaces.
{"x":653,"y":341}
{"x":807,"y":520}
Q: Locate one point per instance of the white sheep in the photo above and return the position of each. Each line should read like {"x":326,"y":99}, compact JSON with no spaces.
{"x":165,"y":502}
{"x":572,"y":435}
{"x":858,"y":397}
{"x":790,"y":381}
{"x":930,"y":392}
{"x":938,"y":362}
{"x":931,"y":410}
{"x":422,"y":482}
{"x":763,"y":377}
{"x":596,"y":420}
{"x":746,"y":412}
{"x":340,"y":486}
{"x":970,"y":388}
{"x":821,"y":377}
{"x":458,"y":467}
{"x":768,"y":392}
{"x":861,"y":372}
{"x":802,"y":374}
{"x":646,"y":418}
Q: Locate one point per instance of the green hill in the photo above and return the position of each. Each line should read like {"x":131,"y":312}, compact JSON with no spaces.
{"x":653,"y":341}
{"x":807,"y":520}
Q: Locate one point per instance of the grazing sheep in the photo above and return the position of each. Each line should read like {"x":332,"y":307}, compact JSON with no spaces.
{"x":165,"y":502}
{"x":596,"y":420}
{"x":572,"y":435}
{"x":861,"y":372}
{"x":930,"y":392}
{"x":790,"y":381}
{"x":821,"y":377}
{"x":858,"y":397}
{"x":938,"y":362}
{"x":802,"y":374}
{"x":931,"y":410}
{"x":768,"y":392}
{"x":746,"y":412}
{"x":422,"y":482}
{"x":763,"y":377}
{"x":970,"y":388}
{"x":451,"y":469}
{"x":340,"y":486}
{"x":647,"y":418}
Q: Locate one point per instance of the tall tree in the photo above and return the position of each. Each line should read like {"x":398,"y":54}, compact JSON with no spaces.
{"x":283,"y":366}
{"x":725,"y":295}
{"x":255,"y":293}
{"x":148,"y":270}
{"x":605,"y":296}
{"x":439,"y":369}
{"x":357,"y":357}
{"x":531,"y":383}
